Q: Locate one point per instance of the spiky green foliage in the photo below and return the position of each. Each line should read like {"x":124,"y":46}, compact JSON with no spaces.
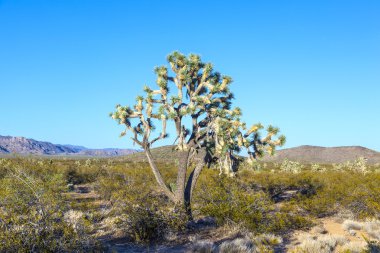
{"x":202,"y":93}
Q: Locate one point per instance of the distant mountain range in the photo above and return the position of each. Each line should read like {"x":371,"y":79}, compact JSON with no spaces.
{"x":316,"y":154}
{"x":304,"y":154}
{"x":22,"y":145}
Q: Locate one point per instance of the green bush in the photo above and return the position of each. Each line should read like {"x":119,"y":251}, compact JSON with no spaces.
{"x":73,"y":177}
{"x":150,"y":221}
{"x":32,"y":216}
{"x":145,"y":224}
{"x":228,"y":200}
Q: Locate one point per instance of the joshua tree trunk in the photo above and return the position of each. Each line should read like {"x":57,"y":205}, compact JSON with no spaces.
{"x":158,"y":176}
{"x":184,"y":192}
{"x":190,"y":185}
{"x":183,"y":158}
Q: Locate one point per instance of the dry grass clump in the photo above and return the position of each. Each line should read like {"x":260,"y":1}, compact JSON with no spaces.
{"x":318,"y":230}
{"x":354,"y":247}
{"x":267,"y":239}
{"x":351,"y":225}
{"x":371,"y":227}
{"x":246,"y":244}
{"x":320,"y":244}
{"x":239,"y":245}
{"x":203,"y":247}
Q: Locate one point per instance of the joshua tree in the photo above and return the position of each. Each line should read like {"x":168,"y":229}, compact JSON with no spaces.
{"x":215,"y":135}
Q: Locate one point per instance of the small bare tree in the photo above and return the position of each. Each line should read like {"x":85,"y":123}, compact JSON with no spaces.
{"x":216,"y":132}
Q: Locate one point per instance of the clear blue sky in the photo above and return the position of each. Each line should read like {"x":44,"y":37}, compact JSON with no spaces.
{"x":310,"y":67}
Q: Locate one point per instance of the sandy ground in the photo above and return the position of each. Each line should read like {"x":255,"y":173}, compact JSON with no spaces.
{"x":328,"y":226}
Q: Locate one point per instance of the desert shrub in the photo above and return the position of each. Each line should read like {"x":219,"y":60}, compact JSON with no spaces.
{"x":32,"y":216}
{"x":83,"y":174}
{"x":3,"y":168}
{"x":323,"y":194}
{"x":291,"y":166}
{"x":255,"y":165}
{"x":145,"y":224}
{"x":145,"y":214}
{"x":338,"y":167}
{"x":305,"y":184}
{"x":73,"y":177}
{"x":148,"y":223}
{"x":229,"y":200}
{"x":360,"y":165}
{"x":317,"y":168}
{"x":131,"y":181}
{"x":125,"y":185}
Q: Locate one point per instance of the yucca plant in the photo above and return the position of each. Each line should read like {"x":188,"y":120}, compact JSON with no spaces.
{"x":202,"y":96}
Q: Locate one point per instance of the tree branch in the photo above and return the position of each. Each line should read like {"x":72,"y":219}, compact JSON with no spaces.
{"x":158,"y":176}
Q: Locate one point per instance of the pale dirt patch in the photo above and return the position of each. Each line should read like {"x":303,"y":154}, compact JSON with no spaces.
{"x":335,"y":228}
{"x":329,"y":226}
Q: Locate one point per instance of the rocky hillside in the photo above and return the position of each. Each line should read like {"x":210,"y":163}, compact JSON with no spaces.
{"x":107,"y":152}
{"x":315,"y":154}
{"x":160,"y":154}
{"x":304,"y":154}
{"x":22,"y":145}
